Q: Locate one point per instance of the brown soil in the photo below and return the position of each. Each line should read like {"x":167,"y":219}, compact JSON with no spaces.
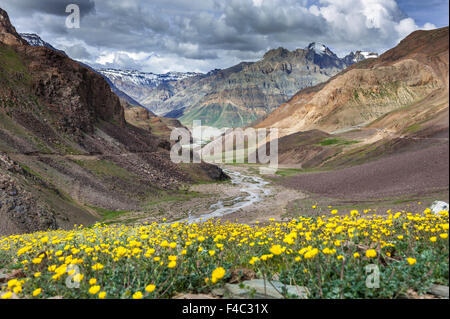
{"x":416,"y":172}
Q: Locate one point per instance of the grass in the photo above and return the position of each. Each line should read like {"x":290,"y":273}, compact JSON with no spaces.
{"x":107,"y":214}
{"x":159,"y":197}
{"x":104,"y":168}
{"x":12,"y":69}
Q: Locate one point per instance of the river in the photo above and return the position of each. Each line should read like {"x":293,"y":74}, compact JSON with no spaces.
{"x":253,"y":186}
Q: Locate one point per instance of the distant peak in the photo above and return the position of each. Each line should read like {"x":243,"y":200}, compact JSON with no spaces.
{"x":276,"y":52}
{"x":319,"y":48}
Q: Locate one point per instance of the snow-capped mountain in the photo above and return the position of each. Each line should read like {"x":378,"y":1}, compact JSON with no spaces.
{"x":36,"y":41}
{"x":322,"y":50}
{"x":319,"y":48}
{"x":150,"y":89}
{"x":322,"y":56}
{"x":355,"y":57}
{"x":144,"y":78}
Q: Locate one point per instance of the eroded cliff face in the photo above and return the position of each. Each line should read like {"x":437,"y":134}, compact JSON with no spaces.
{"x":413,"y":72}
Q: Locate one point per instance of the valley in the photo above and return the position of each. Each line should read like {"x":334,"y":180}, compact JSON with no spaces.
{"x":89,"y":181}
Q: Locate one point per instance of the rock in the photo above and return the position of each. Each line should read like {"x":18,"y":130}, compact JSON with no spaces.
{"x":440,"y":290}
{"x":439,"y":206}
{"x":255,"y":289}
{"x":241,"y":274}
{"x":218,"y":292}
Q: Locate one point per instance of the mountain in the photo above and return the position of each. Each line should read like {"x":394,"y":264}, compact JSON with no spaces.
{"x":36,"y":41}
{"x":358,"y":56}
{"x":67,"y":153}
{"x":397,"y":103}
{"x":405,"y":75}
{"x":239,"y":95}
{"x":235,"y":96}
{"x":149,"y":89}
{"x":243,"y":94}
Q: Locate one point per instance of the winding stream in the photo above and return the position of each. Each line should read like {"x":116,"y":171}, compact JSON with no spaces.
{"x":254,"y":186}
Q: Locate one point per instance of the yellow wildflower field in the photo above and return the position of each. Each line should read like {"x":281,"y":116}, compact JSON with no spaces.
{"x":328,"y":254}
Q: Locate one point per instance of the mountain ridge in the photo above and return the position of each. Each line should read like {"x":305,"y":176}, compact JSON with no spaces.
{"x":228,"y":97}
{"x":67,"y":153}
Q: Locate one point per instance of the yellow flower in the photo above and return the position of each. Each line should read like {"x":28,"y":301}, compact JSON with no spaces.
{"x":172,"y":264}
{"x":37,"y":260}
{"x":371,"y":253}
{"x":137,"y":295}
{"x":36,"y":275}
{"x":102,"y":295}
{"x":211,"y":252}
{"x":92,"y":281}
{"x":78,"y":277}
{"x":400,"y":236}
{"x":7,"y":295}
{"x":97,"y":266}
{"x":444,"y":236}
{"x":37,"y":292}
{"x":356,"y":255}
{"x":94,"y":289}
{"x":276,"y":249}
{"x":217,"y":273}
{"x":433,"y":239}
{"x":12,"y":283}
{"x":411,"y":261}
{"x":173,"y":245}
{"x":150,"y":288}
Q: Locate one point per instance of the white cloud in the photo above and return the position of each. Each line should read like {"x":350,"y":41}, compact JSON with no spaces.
{"x":200,"y":35}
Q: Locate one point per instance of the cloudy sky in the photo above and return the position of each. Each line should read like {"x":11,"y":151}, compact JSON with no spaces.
{"x":200,"y":35}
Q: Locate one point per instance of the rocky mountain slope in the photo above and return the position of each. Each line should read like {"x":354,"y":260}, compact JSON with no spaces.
{"x":238,"y":95}
{"x":255,"y":89}
{"x":67,"y":154}
{"x":414,"y":71}
{"x":149,"y":89}
{"x":36,"y":41}
{"x":397,"y":103}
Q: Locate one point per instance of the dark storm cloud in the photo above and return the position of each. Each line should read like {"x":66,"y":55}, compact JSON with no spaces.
{"x":204,"y":34}
{"x":51,"y":6}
